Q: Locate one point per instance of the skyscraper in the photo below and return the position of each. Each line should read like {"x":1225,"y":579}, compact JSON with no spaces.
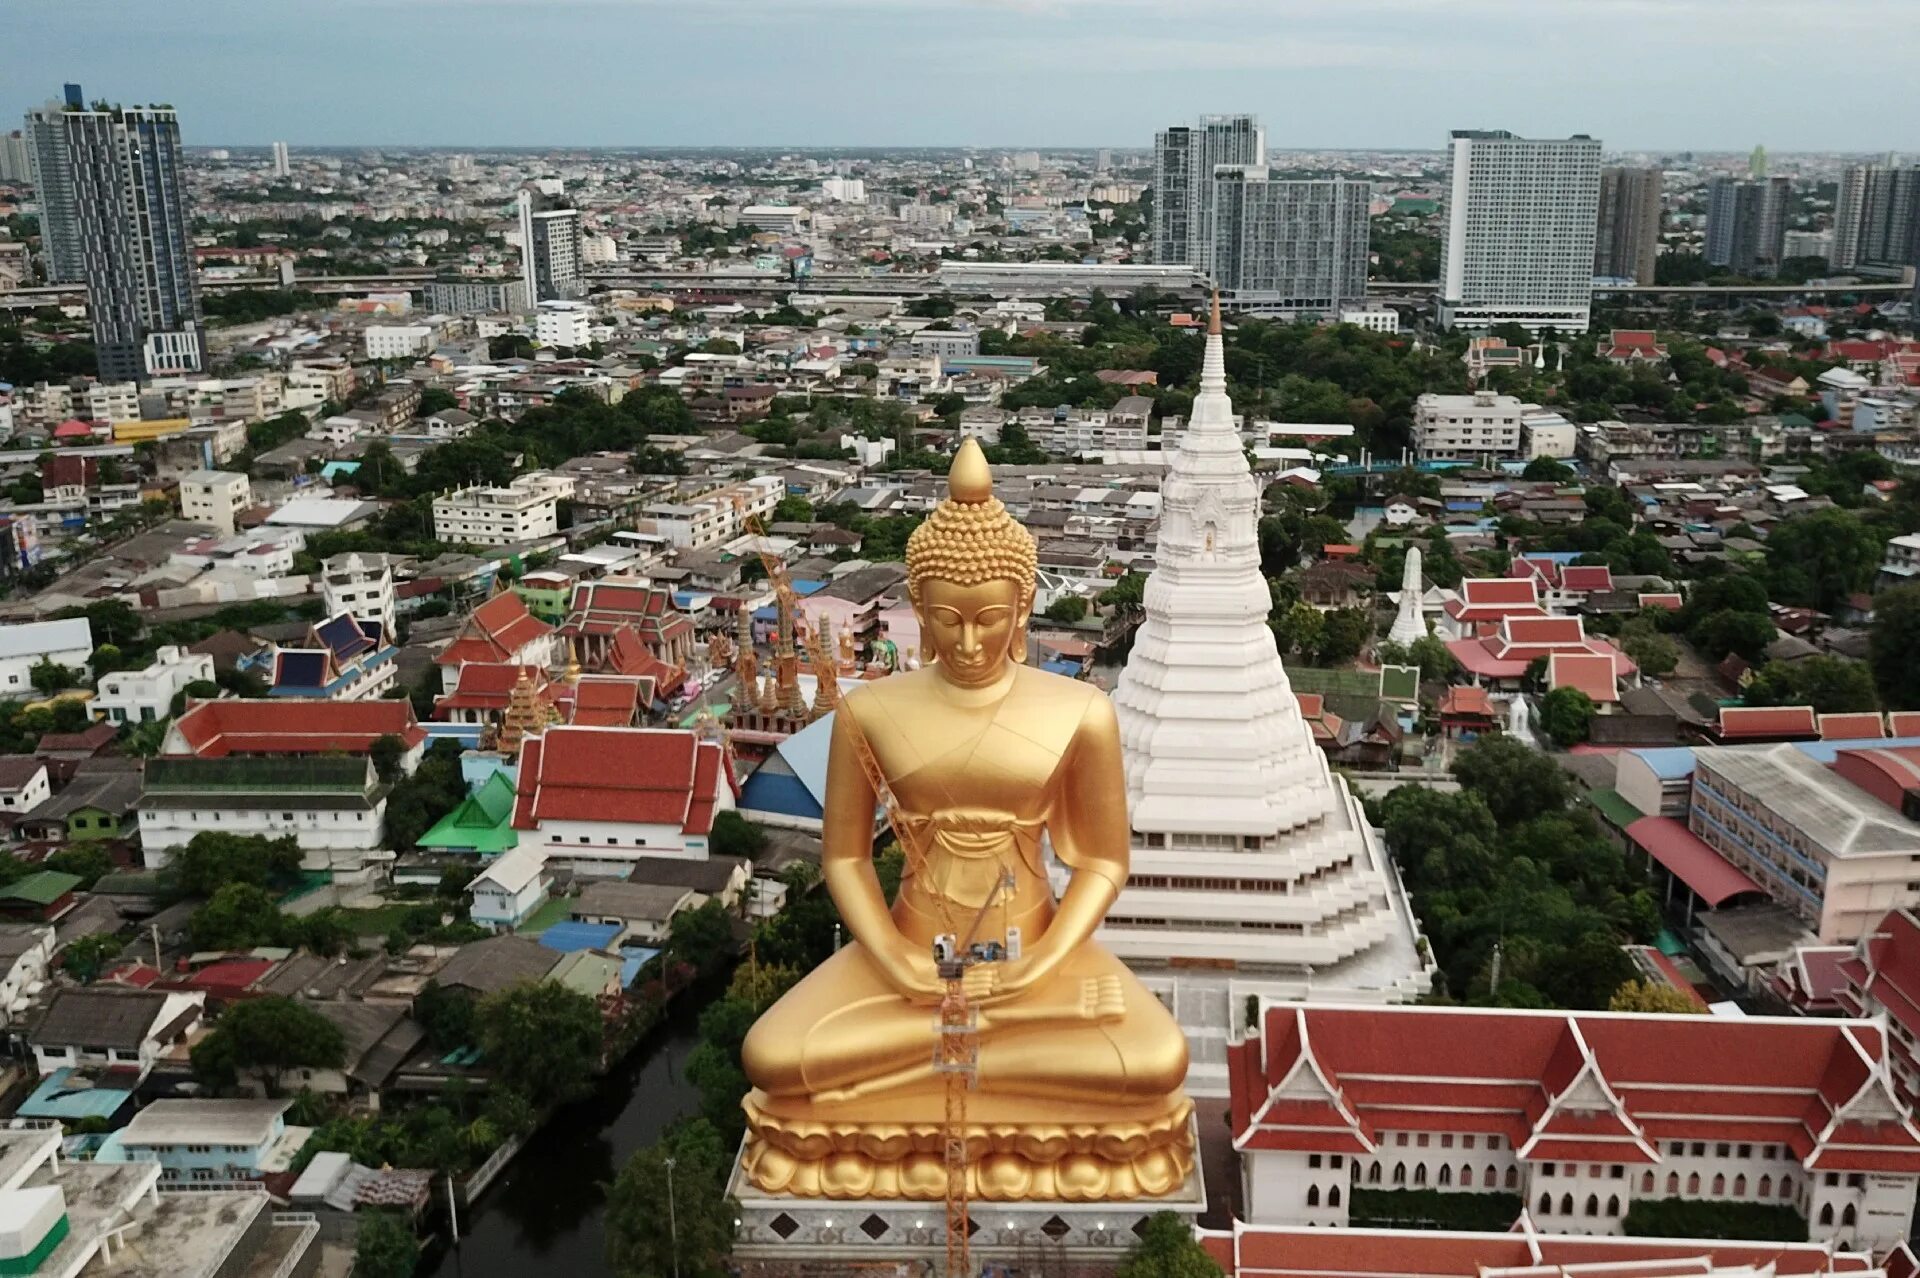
{"x":1628,"y":236}
{"x":1288,"y":247}
{"x":1521,"y":219}
{"x":52,"y":177}
{"x":1876,"y":221}
{"x":16,"y":158}
{"x":1747,"y":224}
{"x":282,"y":167}
{"x":1184,"y":160}
{"x":550,"y":250}
{"x":112,"y":193}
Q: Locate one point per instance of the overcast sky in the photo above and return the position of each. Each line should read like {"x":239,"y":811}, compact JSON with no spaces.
{"x":1829,"y":75}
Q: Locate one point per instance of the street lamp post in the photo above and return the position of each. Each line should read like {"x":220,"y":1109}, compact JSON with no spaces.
{"x":673,"y":1224}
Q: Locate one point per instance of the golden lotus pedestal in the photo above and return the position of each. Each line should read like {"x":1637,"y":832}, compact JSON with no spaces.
{"x":872,"y":1188}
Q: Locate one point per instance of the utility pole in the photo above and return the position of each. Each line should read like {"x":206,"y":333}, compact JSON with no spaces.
{"x":453,"y":1211}
{"x":673,"y":1223}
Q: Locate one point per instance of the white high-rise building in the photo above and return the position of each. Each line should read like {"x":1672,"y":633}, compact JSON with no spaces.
{"x":282,"y":166}
{"x":1249,"y":854}
{"x":568,"y":324}
{"x":1521,"y":219}
{"x":1185,"y":158}
{"x":551,"y":251}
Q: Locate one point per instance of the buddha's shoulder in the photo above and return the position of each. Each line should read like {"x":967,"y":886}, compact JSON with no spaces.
{"x":1074,"y":696}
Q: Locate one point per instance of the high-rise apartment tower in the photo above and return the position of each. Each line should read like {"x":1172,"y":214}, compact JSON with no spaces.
{"x":1521,"y":219}
{"x":1628,"y":236}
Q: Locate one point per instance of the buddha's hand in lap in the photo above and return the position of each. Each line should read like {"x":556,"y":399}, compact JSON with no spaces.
{"x":1098,"y":999}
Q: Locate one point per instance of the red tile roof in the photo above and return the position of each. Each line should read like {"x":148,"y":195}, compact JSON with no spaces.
{"x":486,"y":685}
{"x":1464,"y":699}
{"x":1587,"y":577}
{"x":636,"y":776}
{"x":1903,"y":723}
{"x":1591,"y":672}
{"x":1500,"y":592}
{"x":605,"y":701}
{"x":294,"y":726}
{"x":1861,"y":726}
{"x":1767,"y":723}
{"x":1888,"y":773}
{"x":605,"y":607}
{"x":1297,"y":1251}
{"x":1713,"y":878}
{"x":629,"y":655}
{"x":1662,"y":599}
{"x":498,"y":630}
{"x":1594,"y":1086}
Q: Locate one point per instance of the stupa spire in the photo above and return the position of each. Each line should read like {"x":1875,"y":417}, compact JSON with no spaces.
{"x":1410,"y":624}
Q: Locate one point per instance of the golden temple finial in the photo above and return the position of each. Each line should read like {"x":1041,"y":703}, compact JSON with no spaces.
{"x":1213,"y":321}
{"x":572,"y":675}
{"x":969,"y":481}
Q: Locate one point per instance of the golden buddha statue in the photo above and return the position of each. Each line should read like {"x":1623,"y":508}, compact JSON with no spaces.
{"x":1078,"y":1083}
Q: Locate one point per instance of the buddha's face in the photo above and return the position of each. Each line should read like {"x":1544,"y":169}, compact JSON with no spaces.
{"x":971,"y":629}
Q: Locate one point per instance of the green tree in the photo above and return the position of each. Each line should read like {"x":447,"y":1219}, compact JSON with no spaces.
{"x":793,"y":510}
{"x":1068,"y":610}
{"x":269,"y":1036}
{"x":1546,"y":470}
{"x":543,"y":1040}
{"x":212,"y":860}
{"x":50,"y":676}
{"x":237,"y":916}
{"x":1744,"y":634}
{"x":668,"y":1210}
{"x":735,"y":835}
{"x":88,"y":956}
{"x":1343,"y":634}
{"x":448,"y":1016}
{"x":701,"y":938}
{"x":1647,"y":996}
{"x":385,"y":1246}
{"x":1831,"y":685}
{"x":87,"y":860}
{"x":1168,"y":1249}
{"x":1567,"y":716}
{"x":1299,"y":629}
{"x":1514,"y":781}
{"x":1818,"y":560}
{"x":1893,"y":647}
{"x":386,"y":752}
{"x":1655,"y":654}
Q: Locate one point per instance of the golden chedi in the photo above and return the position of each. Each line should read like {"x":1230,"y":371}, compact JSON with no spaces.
{"x":1077,"y":1090}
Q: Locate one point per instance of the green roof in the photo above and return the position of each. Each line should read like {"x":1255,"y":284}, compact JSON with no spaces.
{"x":1400,"y":683}
{"x":43,"y":888}
{"x":1359,"y":683}
{"x":1615,"y":809}
{"x":321,"y":773}
{"x":479,"y":823}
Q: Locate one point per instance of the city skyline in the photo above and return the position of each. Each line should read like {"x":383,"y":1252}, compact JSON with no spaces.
{"x":1049,"y":73}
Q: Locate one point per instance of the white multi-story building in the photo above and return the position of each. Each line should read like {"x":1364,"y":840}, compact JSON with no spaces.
{"x":1482,"y":427}
{"x":947,"y":343}
{"x":1901,"y":564}
{"x":1073,"y":432}
{"x":1547,"y":434}
{"x":525,"y":510}
{"x":398,"y":341}
{"x":563,"y":323}
{"x":1185,"y":158}
{"x":843,"y":190}
{"x":716,"y":516}
{"x":146,"y":696}
{"x":214,"y":497}
{"x":24,"y":645}
{"x":781,"y":219}
{"x":1249,"y":854}
{"x":550,"y":251}
{"x":360,"y":585}
{"x":282,"y":166}
{"x":334,"y":807}
{"x":1522,"y":214}
{"x":1377,"y":319}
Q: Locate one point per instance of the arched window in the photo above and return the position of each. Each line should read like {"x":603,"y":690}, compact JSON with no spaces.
{"x":1739,"y":1186}
{"x":1313,"y":1195}
{"x":1673,"y":1182}
{"x":1546,"y":1204}
{"x":1446,"y":1174}
{"x":1373,"y":1174}
{"x":1399,"y":1173}
{"x":1786,"y":1186}
{"x":1566,"y":1204}
{"x":1826,"y":1214}
{"x":1466,"y":1176}
{"x":1419,"y":1173}
{"x":1613,"y":1205}
{"x":1646,"y":1183}
{"x":1850,"y":1216}
{"x":1766,"y":1187}
{"x":1489,"y":1180}
{"x":1513,"y":1178}
{"x":1693,"y":1183}
{"x":1593,"y":1204}
{"x":1333,"y":1196}
{"x":1719,"y":1184}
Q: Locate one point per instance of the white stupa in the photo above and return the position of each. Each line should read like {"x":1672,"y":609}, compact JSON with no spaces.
{"x":1411,"y":622}
{"x":1249,"y":854}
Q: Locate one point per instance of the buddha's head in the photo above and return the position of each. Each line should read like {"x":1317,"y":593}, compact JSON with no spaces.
{"x":970,"y":574}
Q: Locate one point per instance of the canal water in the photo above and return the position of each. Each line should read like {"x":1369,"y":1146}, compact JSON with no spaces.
{"x":545,"y":1213}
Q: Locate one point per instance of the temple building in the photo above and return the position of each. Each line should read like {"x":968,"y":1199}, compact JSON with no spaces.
{"x":1249,"y":854}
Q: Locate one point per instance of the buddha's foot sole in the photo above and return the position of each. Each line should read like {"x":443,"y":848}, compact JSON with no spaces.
{"x":1074,"y":1162}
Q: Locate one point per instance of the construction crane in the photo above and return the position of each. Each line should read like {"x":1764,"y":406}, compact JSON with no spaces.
{"x":956,"y":1046}
{"x":818,"y":641}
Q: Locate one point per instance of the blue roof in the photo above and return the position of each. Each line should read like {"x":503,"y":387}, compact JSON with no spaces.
{"x":781,"y":792}
{"x":54,"y":1099}
{"x":1068,"y":668}
{"x":1669,"y":763}
{"x":632,"y":959}
{"x":1826,"y":751}
{"x":568,"y":937}
{"x":806,"y":585}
